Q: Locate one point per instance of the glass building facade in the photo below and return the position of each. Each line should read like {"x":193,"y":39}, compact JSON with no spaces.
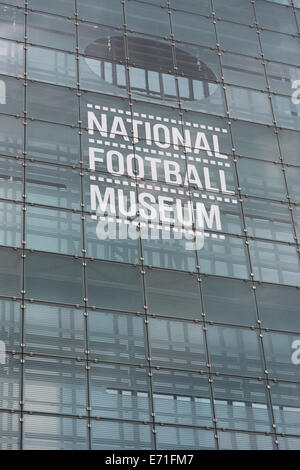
{"x":158,"y":342}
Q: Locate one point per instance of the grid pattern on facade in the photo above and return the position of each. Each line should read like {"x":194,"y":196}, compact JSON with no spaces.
{"x":139,"y":343}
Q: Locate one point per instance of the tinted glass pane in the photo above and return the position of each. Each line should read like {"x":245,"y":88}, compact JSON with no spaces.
{"x":175,"y":344}
{"x":10,"y":272}
{"x":244,"y":441}
{"x":10,"y":379}
{"x":12,"y":22}
{"x":234,"y":351}
{"x":54,"y":330}
{"x":181,"y":398}
{"x":10,"y":324}
{"x":116,"y":337}
{"x":54,"y":433}
{"x":51,"y":31}
{"x":55,"y":385}
{"x":169,"y":438}
{"x":248,"y":407}
{"x":119,"y":392}
{"x":228,"y":301}
{"x":9,"y":426}
{"x":53,"y":230}
{"x":282,"y":355}
{"x":11,"y":224}
{"x":11,"y":58}
{"x":275,"y":262}
{"x":53,"y":143}
{"x":46,"y":65}
{"x":114,"y":286}
{"x":54,"y":278}
{"x":173,"y":294}
{"x":121,"y":435}
{"x":278,"y":307}
{"x":53,"y":185}
{"x":60,"y":7}
{"x":58,"y":99}
{"x":11,"y":135}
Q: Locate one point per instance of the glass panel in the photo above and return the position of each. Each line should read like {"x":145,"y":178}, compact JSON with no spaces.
{"x":245,"y":441}
{"x":276,"y":17}
{"x":121,"y":435}
{"x":116,"y":337}
{"x":58,"y":99}
{"x":11,"y":176}
{"x":292,"y":177}
{"x":11,"y":143}
{"x":286,"y":112}
{"x":12,"y":23}
{"x":10,"y":272}
{"x":54,"y":386}
{"x":208,"y":98}
{"x":9,"y":428}
{"x":193,"y":29}
{"x":278,"y":307}
{"x":285,"y":400}
{"x":181,"y":398}
{"x":268,"y":219}
{"x":224,"y":255}
{"x":54,"y":278}
{"x":53,"y":230}
{"x":51,"y":31}
{"x":47,"y":65}
{"x":119,"y":392}
{"x":11,"y":58}
{"x":249,"y":105}
{"x":53,"y":143}
{"x":237,"y":38}
{"x":243,"y":71}
{"x":10,"y":383}
{"x":254,"y":140}
{"x":147,"y":19}
{"x":282,"y":352}
{"x":281,"y":77}
{"x":228,"y":301}
{"x":96,"y":108}
{"x":193,"y":6}
{"x":115,"y":286}
{"x":176,"y":344}
{"x":103,"y":77}
{"x":169,"y":438}
{"x":242,"y":404}
{"x":289,"y":443}
{"x":101,"y":41}
{"x":240,"y":11}
{"x":10,"y":224}
{"x":224,"y":212}
{"x":54,"y":330}
{"x":173,"y":294}
{"x":53,"y":185}
{"x":286,"y":50}
{"x":109,"y":12}
{"x":10,"y":325}
{"x":11,"y":95}
{"x":59,"y":7}
{"x":234,"y":351}
{"x":275,"y":262}
{"x":261,"y":179}
{"x":289,"y":142}
{"x":54,"y":433}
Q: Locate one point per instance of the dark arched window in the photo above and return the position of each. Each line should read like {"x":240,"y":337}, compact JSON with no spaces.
{"x":150,"y":71}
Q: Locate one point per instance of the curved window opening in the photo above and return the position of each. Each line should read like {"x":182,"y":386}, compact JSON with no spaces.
{"x":151,"y":71}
